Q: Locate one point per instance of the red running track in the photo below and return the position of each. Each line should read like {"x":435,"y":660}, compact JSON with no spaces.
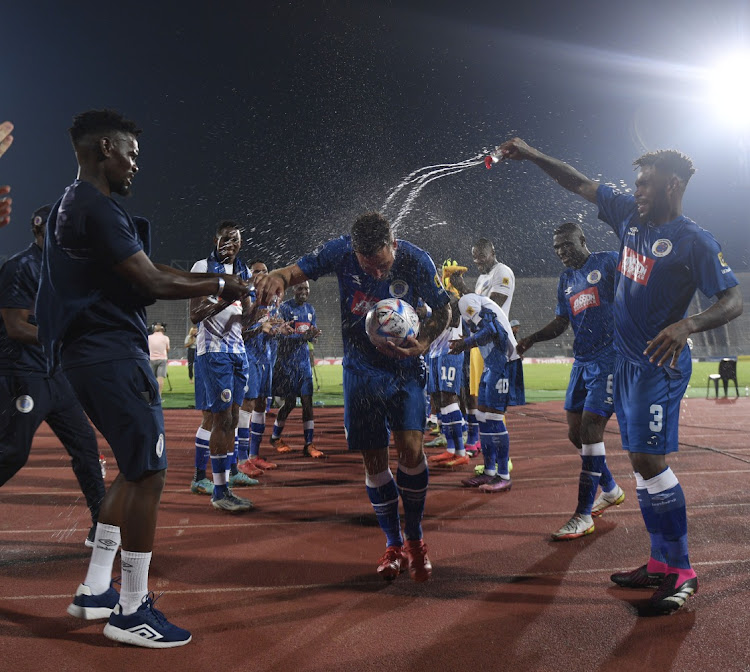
{"x":291,"y":586}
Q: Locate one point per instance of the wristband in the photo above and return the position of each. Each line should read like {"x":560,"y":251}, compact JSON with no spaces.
{"x":222,"y":282}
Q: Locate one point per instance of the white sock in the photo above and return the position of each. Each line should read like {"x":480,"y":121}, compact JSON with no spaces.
{"x":106,"y":543}
{"x":134,"y":580}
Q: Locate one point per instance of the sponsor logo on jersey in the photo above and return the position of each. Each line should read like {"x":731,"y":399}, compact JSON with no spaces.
{"x":24,"y":404}
{"x":302,"y":327}
{"x":722,"y":261}
{"x":361,"y":303}
{"x":438,"y":282}
{"x":588,"y":298}
{"x":226,"y":395}
{"x":160,"y":446}
{"x":635,"y":266}
{"x":398,"y":288}
{"x":662,"y":247}
{"x":506,"y":282}
{"x":594,"y":277}
{"x":470,"y":311}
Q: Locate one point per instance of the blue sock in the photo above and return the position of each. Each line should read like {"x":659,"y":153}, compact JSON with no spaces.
{"x":588,"y":483}
{"x":412,"y":484}
{"x":219,"y":465}
{"x":670,"y":513}
{"x":473,"y":432}
{"x":652,"y":527}
{"x":606,"y":481}
{"x":308,"y":431}
{"x":489,"y":450}
{"x":453,"y":428}
{"x":257,"y":428}
{"x":202,"y":452}
{"x":497,"y":437}
{"x":383,"y":494}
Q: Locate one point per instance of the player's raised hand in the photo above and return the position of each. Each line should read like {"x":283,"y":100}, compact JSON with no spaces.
{"x":516,"y":149}
{"x":268,"y":286}
{"x":5,"y":206}
{"x":6,"y":139}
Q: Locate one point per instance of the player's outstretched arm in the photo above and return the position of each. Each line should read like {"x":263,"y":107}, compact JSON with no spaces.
{"x":277,"y":282}
{"x":669,"y":342}
{"x":549,"y":331}
{"x":565,"y":175}
{"x":160,"y":284}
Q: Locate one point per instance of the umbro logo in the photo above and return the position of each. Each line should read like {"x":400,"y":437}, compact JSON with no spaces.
{"x":568,"y":290}
{"x":107,"y":544}
{"x":145,"y":631}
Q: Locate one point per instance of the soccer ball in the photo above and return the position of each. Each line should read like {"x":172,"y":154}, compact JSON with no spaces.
{"x":391,"y":321}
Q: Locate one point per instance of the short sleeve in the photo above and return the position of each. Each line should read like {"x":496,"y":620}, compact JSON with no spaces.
{"x":470,"y":307}
{"x":18,"y":285}
{"x":713,"y":273}
{"x":615,"y":208}
{"x":561,"y":310}
{"x":325,"y":259}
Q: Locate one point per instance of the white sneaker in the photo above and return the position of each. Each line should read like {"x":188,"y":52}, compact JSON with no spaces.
{"x":604,"y":501}
{"x":577,"y":526}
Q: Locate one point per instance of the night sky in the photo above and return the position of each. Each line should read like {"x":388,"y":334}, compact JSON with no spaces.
{"x":292,"y":118}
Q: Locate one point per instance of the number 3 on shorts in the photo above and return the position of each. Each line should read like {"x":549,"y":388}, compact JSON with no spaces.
{"x":658,"y":413}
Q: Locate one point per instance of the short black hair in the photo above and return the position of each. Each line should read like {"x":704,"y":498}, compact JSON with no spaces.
{"x":370,"y":233}
{"x":39,"y":217}
{"x":227,"y":225}
{"x":484,"y":244}
{"x":568,"y":227}
{"x":100,"y":122}
{"x":668,"y":161}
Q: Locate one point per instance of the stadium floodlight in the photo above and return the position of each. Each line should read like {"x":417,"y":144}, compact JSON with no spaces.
{"x":729,"y":89}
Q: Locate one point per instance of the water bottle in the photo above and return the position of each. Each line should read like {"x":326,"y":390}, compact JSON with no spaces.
{"x":103,"y":465}
{"x":494,"y":157}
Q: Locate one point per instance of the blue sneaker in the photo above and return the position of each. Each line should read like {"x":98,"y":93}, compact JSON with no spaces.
{"x":92,"y":607}
{"x":147,"y":627}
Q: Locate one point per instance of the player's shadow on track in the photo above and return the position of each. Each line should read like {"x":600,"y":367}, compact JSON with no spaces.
{"x":505,"y":613}
{"x":17,"y":625}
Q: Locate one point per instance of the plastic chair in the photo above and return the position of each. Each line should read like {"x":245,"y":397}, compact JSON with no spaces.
{"x":727,"y":372}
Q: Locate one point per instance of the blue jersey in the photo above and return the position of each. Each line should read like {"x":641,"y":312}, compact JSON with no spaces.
{"x":85,"y":310}
{"x":585,"y":297}
{"x":659,"y":270}
{"x":412,"y":276}
{"x":19,"y":280}
{"x":261,"y":347}
{"x":293,"y":348}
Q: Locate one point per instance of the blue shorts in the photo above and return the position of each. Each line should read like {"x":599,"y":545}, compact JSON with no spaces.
{"x":494,"y":385}
{"x":516,"y":386}
{"x":647,"y":403}
{"x":292,"y":378}
{"x":378,"y":402}
{"x":254,"y":378}
{"x":222,"y":379}
{"x":446,"y":374}
{"x":121,"y":398}
{"x":591,"y":388}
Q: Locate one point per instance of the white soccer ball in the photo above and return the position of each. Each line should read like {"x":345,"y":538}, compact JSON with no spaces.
{"x":391,"y":321}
